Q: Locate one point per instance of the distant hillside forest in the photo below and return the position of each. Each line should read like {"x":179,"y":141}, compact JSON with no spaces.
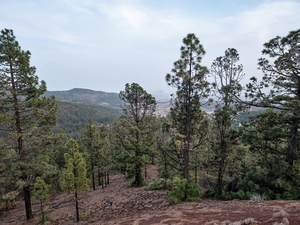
{"x":72,"y":117}
{"x":80,"y":95}
{"x":78,"y":105}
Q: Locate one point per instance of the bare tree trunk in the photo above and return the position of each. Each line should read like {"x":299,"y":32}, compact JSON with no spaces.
{"x":220,"y":176}
{"x":107,"y":177}
{"x":99,"y":178}
{"x":42,"y":211}
{"x":186,"y":161}
{"x":145,"y":171}
{"x":27,"y":200}
{"x":76,"y":205}
{"x":292,"y":145}
{"x":93,"y":177}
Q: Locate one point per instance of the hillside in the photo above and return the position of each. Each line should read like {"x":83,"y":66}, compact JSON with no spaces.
{"x":72,"y":117}
{"x":80,"y":95}
{"x":117,"y":204}
{"x":77,"y":105}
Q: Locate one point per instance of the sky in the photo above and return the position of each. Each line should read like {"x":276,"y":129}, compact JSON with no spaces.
{"x":104,"y":44}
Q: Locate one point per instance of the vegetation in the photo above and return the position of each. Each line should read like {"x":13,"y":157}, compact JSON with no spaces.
{"x":42,"y":193}
{"x":79,"y":95}
{"x":138,"y":108}
{"x":227,"y":76}
{"x":189,"y":78}
{"x":72,"y":117}
{"x":282,"y":77}
{"x":75,"y":173}
{"x":90,"y":141}
{"x":26,"y":119}
{"x":246,"y":148}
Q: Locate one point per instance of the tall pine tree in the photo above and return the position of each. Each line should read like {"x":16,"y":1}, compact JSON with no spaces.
{"x":281,"y":75}
{"x":138,"y":107}
{"x":90,"y":139}
{"x":189,"y":78}
{"x":26,"y":117}
{"x":227,"y":75}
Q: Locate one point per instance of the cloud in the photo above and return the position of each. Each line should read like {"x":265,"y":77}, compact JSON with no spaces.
{"x":137,"y":38}
{"x":127,"y":14}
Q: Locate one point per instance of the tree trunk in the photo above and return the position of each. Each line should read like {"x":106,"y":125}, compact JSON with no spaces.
{"x":186,"y":161}
{"x":93,"y":177}
{"x":76,"y":205}
{"x":138,"y":175}
{"x":99,"y":178}
{"x":220,"y":177}
{"x":139,"y":181}
{"x":107,"y":177}
{"x":196,"y":174}
{"x":292,"y":144}
{"x":145,"y":171}
{"x":42,"y":211}
{"x":27,"y":200}
{"x":222,"y":164}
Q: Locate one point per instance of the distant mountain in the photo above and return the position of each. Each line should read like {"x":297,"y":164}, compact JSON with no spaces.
{"x":77,"y":106}
{"x":80,"y":95}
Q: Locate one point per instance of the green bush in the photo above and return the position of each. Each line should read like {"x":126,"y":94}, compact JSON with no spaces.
{"x":210,"y":193}
{"x":159,"y":184}
{"x":154,"y":185}
{"x":192,"y":192}
{"x":83,"y":217}
{"x":225,"y":196}
{"x":178,"y":192}
{"x":182,"y":190}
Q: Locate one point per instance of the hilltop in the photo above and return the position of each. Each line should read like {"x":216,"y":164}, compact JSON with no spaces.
{"x":80,"y":95}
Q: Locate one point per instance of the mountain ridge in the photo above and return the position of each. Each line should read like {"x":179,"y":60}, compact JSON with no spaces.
{"x":79,"y":95}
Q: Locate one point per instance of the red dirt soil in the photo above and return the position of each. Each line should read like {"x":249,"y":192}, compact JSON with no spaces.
{"x":117,"y":204}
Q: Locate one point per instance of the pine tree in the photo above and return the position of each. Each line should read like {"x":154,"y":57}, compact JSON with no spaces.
{"x":91,"y":142}
{"x":282,"y":79}
{"x":227,"y":75}
{"x":189,"y":78}
{"x":75,"y":173}
{"x":26,"y":117}
{"x":42,"y":193}
{"x":139,"y":108}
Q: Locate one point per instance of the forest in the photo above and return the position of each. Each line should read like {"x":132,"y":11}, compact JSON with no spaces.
{"x":224,"y":155}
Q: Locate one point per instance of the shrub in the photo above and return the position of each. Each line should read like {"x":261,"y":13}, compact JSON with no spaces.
{"x":257,"y":197}
{"x":210,"y":193}
{"x":192,"y":192}
{"x":181,"y":189}
{"x":83,"y":217}
{"x":159,"y":184}
{"x":178,"y":192}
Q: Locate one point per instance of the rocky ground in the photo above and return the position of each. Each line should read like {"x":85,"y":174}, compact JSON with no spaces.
{"x":117,"y":204}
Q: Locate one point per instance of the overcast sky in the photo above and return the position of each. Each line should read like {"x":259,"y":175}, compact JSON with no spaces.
{"x":104,"y":44}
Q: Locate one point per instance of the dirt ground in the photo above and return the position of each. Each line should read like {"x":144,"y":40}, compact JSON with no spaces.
{"x":117,"y":204}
